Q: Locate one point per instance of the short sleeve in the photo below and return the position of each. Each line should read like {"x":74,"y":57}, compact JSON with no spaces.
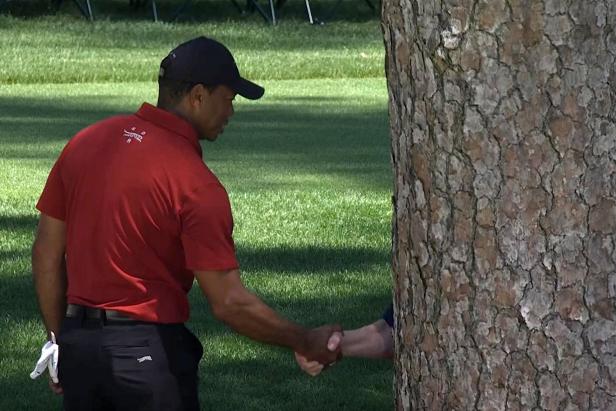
{"x":388,"y":315}
{"x":207,"y":230}
{"x":53,"y":199}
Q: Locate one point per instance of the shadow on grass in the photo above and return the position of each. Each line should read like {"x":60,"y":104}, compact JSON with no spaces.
{"x":18,"y":222}
{"x":297,"y":260}
{"x":321,"y":138}
{"x":268,"y":380}
{"x":261,"y":378}
{"x":309,"y":260}
{"x":17,"y":298}
{"x":277,"y":384}
{"x":56,"y":119}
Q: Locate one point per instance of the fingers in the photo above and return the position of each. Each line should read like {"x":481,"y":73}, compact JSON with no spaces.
{"x":334,"y":341}
{"x":52,"y":365}
{"x":334,"y":344}
{"x":56,"y":388}
{"x":318,"y":347}
{"x":312,"y":368}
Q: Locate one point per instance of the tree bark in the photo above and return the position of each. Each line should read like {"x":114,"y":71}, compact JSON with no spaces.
{"x":503,"y":127}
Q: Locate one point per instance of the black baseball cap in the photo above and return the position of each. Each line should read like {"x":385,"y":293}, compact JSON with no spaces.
{"x":204,"y":60}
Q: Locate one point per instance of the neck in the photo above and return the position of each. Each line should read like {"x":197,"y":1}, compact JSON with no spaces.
{"x":176,"y":109}
{"x":179,"y":111}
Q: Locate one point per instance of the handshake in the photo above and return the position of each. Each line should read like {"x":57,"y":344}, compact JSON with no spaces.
{"x":321,"y":349}
{"x":373,"y":340}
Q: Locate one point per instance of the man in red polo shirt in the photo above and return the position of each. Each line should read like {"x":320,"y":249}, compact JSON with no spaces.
{"x":130,"y":215}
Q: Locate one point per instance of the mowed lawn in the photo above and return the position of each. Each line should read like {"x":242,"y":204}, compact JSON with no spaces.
{"x":307,"y":169}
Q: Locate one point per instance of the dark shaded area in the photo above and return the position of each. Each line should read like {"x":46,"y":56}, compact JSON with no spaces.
{"x":14,"y":255}
{"x":272,"y":381}
{"x":18,"y":222}
{"x":59,"y":119}
{"x":17,"y":298}
{"x":264,"y":380}
{"x":199,"y":11}
{"x":322,"y":137}
{"x":78,"y":110}
{"x":271,"y":374}
{"x":309,"y":260}
{"x":255,"y":381}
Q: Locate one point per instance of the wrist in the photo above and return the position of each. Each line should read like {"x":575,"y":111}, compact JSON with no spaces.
{"x":301,"y":343}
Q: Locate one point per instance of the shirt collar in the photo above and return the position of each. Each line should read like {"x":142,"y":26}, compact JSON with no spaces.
{"x":171,"y":122}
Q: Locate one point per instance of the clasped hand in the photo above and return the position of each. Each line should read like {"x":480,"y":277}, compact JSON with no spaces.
{"x":328,"y":346}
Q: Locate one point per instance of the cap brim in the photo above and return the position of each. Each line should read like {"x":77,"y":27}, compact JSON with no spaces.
{"x":248,"y":89}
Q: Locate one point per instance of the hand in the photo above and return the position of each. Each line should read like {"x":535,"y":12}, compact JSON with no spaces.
{"x":334,"y":341}
{"x":315,"y":345}
{"x":314,"y":368}
{"x":55,"y":387}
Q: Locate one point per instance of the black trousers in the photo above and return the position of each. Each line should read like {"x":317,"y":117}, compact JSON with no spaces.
{"x":104,"y":365}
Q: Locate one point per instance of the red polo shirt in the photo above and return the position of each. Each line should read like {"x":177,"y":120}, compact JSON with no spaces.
{"x":142,"y":211}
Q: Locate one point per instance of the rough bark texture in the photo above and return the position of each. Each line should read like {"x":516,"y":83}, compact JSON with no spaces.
{"x":503,"y":124}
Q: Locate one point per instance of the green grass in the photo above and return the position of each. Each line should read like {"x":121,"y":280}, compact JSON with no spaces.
{"x":307,"y":168}
{"x":90,"y":52}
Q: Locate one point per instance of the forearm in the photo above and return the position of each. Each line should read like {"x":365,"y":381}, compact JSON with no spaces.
{"x":372,"y":341}
{"x":243,"y":311}
{"x":49,"y":276}
{"x":247,"y":314}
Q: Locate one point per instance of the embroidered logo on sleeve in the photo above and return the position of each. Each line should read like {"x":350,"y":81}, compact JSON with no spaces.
{"x":133,"y":134}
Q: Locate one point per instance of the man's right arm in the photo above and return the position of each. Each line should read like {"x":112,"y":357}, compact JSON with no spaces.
{"x":247,"y":314}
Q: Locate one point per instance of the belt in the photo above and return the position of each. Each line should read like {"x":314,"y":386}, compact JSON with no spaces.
{"x":90,"y":313}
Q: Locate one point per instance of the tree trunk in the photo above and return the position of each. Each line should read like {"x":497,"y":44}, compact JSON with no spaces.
{"x":503,"y":126}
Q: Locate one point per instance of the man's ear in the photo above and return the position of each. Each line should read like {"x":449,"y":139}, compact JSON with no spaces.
{"x":197,"y":95}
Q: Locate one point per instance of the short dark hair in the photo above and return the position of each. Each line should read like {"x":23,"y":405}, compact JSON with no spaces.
{"x":170,"y":92}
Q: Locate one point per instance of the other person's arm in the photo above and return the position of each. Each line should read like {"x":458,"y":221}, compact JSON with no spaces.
{"x":371,"y":341}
